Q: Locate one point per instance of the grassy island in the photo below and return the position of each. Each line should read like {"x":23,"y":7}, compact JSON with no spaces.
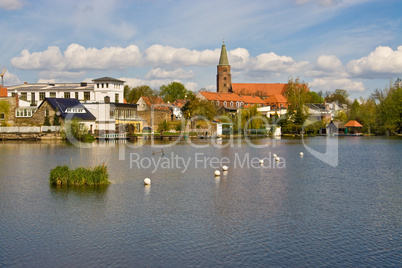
{"x":63,"y":175}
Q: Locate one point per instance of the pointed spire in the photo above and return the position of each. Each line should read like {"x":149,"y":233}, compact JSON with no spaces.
{"x":224,"y":56}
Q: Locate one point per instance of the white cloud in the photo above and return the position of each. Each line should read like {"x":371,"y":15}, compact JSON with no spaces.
{"x":238,"y":57}
{"x":77,"y":57}
{"x":10,"y":79}
{"x":160,"y":55}
{"x":275,"y":63}
{"x":331,"y":84}
{"x":11,"y":4}
{"x":175,"y":74}
{"x":329,"y":62}
{"x":383,"y":61}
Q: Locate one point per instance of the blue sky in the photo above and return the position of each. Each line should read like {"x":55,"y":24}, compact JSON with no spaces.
{"x":354,"y":45}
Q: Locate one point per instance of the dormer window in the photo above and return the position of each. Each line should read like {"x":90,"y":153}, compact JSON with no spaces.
{"x":75,"y":110}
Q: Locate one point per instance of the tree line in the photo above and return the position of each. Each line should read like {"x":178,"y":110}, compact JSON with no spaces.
{"x":380,"y":113}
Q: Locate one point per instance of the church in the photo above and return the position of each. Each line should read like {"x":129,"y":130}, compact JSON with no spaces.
{"x":262,"y":94}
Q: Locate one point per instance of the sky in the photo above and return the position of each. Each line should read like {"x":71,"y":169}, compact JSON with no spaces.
{"x":355,"y":45}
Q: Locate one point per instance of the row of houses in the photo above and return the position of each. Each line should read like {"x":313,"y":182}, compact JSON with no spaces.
{"x":99,"y":105}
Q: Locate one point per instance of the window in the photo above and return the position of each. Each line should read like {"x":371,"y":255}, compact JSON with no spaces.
{"x":116,"y":96}
{"x":33,"y":98}
{"x":52,"y":94}
{"x":231,"y":104}
{"x":225,"y":103}
{"x":13,"y":94}
{"x":66,"y":95}
{"x":76,"y":95}
{"x":42,"y":95}
{"x":75,"y":110}
{"x":97,"y":85}
{"x":24,"y":112}
{"x":23,"y":96}
{"x":107,"y":85}
{"x":46,"y":112}
{"x":217,"y":103}
{"x":111,"y":113}
{"x":102,"y":85}
{"x":224,"y":85}
{"x":224,"y":78}
{"x":87,"y":95}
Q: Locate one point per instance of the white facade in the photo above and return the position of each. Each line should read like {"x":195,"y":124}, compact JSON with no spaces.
{"x":84,"y":92}
{"x":102,"y":113}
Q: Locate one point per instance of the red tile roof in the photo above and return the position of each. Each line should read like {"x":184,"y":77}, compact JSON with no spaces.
{"x":161,"y":105}
{"x":276,"y":100}
{"x":353,"y":123}
{"x":259,"y":89}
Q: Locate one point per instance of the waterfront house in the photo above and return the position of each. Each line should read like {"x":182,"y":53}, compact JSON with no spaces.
{"x":65,"y":110}
{"x":35,"y":93}
{"x":354,"y":127}
{"x":333,"y":128}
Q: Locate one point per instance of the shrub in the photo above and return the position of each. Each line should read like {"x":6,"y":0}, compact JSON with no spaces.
{"x":62,"y":175}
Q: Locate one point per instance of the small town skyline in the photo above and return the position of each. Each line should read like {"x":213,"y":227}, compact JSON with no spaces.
{"x":351,"y":45}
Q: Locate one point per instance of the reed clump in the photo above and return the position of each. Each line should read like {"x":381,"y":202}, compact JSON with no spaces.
{"x":63,"y":175}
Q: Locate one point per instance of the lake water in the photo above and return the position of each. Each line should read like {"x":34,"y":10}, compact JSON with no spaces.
{"x":298,"y":212}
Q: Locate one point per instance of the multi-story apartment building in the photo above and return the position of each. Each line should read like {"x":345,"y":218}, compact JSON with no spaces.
{"x":84,"y":92}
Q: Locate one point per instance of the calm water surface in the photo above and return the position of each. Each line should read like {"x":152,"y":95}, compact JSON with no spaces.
{"x":300,"y":212}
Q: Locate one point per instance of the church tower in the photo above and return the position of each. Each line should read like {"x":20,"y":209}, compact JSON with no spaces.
{"x":223,"y":77}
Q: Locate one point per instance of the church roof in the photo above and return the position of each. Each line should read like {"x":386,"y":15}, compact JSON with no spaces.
{"x":276,"y":98}
{"x":265,"y":89}
{"x":224,"y":56}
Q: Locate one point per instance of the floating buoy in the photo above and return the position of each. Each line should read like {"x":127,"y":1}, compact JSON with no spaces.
{"x":277,"y":158}
{"x":274,"y":155}
{"x":225,"y":168}
{"x":261,"y":161}
{"x":217,"y":173}
{"x":147,"y":181}
{"x":301,"y":154}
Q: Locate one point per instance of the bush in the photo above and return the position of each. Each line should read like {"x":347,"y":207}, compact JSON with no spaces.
{"x":62,"y":175}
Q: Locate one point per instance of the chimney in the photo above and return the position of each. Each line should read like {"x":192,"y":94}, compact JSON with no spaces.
{"x":16,"y":100}
{"x":25,"y":83}
{"x":107,"y":99}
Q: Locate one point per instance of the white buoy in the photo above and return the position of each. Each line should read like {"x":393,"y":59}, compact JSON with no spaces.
{"x":274,"y":155}
{"x":147,"y":181}
{"x":301,"y":154}
{"x":225,"y":168}
{"x":261,"y":161}
{"x":217,"y":173}
{"x":277,"y":159}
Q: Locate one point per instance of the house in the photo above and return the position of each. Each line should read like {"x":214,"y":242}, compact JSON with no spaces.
{"x":96,"y":91}
{"x":230,"y":101}
{"x":319,"y":112}
{"x":276,"y":101}
{"x":115,"y":117}
{"x":334,"y":128}
{"x":65,"y":109}
{"x":354,"y":127}
{"x":146,"y":103}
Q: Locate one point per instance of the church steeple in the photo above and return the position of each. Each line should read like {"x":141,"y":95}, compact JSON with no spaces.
{"x":224,"y":56}
{"x":223,"y":77}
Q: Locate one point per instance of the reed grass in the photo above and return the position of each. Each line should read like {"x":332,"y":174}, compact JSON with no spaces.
{"x":63,"y":175}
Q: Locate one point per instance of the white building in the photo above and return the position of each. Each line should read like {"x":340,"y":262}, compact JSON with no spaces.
{"x":84,"y":92}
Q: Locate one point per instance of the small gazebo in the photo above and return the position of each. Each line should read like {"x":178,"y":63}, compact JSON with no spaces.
{"x":354,"y":126}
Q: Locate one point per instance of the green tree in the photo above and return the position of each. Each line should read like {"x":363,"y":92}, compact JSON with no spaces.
{"x":198,"y":107}
{"x":134,"y":94}
{"x":173,"y":91}
{"x":368,"y":115}
{"x":315,"y":97}
{"x":4,"y":110}
{"x":354,"y":110}
{"x":297,"y":95}
{"x":47,"y":119}
{"x":341,"y":116}
{"x":56,"y":118}
{"x":340,"y":95}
